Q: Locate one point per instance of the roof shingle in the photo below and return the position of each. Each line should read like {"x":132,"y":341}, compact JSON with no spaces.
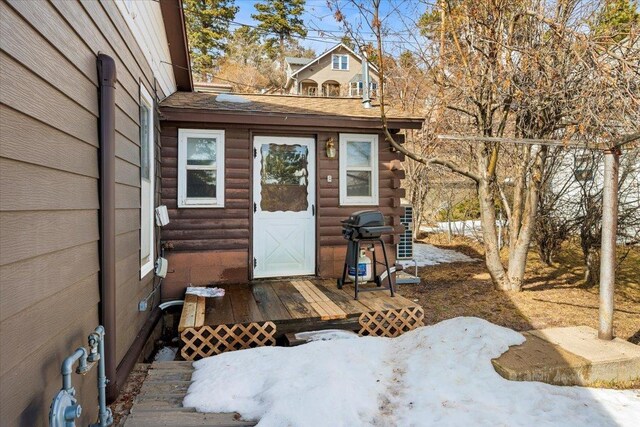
{"x":282,"y":104}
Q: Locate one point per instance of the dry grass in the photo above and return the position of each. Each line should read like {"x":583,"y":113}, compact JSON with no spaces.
{"x":552,"y":296}
{"x":122,"y":406}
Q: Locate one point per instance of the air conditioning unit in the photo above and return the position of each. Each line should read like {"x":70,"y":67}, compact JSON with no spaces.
{"x":162,"y":216}
{"x":405,"y":246}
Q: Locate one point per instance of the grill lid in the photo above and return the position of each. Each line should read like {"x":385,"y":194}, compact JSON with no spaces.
{"x":366,"y":218}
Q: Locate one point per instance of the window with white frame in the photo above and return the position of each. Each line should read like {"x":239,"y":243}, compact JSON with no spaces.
{"x":358,"y":169}
{"x":340,"y":62}
{"x":356,"y":88}
{"x":200,"y":168}
{"x":147,"y":174}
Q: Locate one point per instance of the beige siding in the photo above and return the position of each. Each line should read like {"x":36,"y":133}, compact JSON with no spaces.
{"x":321,"y":71}
{"x":49,"y":225}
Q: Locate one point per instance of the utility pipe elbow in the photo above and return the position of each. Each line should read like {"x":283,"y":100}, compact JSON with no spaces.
{"x":67,"y":367}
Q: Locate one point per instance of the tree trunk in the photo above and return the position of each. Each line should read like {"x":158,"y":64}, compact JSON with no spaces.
{"x":492,"y":253}
{"x":521,"y":239}
{"x":282,"y":62}
{"x":592,"y":267}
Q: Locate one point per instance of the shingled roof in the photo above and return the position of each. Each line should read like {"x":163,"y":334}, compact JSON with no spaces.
{"x":287,"y":106}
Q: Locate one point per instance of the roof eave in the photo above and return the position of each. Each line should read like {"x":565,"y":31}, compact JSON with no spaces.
{"x":174,"y":114}
{"x":173,"y":17}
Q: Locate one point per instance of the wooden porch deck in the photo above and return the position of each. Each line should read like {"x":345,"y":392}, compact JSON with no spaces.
{"x":262,"y":312}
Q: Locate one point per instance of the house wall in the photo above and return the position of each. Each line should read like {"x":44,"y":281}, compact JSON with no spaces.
{"x":49,"y":201}
{"x":321,"y":72}
{"x":213,"y":245}
{"x":144,"y":19}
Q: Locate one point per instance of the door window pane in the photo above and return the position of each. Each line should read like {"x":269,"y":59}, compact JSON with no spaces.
{"x":201,"y":151}
{"x":284,"y":178}
{"x":358,"y":183}
{"x":201,"y":183}
{"x":358,"y":154}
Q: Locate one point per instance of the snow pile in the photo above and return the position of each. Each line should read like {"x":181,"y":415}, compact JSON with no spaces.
{"x":435,"y":375}
{"x":166,"y":354}
{"x":237,"y":99}
{"x":326,"y":335}
{"x":201,"y":291}
{"x":425,"y":254}
{"x":469,"y":228}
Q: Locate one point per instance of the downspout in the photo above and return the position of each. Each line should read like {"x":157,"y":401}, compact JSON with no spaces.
{"x":106,"y":136}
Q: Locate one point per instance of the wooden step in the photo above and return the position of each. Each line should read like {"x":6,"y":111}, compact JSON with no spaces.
{"x":165,"y":388}
{"x":185,"y":419}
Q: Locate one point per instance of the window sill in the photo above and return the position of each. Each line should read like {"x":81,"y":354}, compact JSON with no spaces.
{"x":370,"y":202}
{"x":208,"y":206}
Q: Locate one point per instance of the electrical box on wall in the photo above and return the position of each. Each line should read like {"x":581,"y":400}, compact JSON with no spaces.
{"x":162,"y":265}
{"x":162,"y":216}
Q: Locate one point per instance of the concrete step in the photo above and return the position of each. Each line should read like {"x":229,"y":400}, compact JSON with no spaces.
{"x":571,"y":356}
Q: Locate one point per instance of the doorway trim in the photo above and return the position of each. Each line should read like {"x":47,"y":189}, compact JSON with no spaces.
{"x":272,"y":232}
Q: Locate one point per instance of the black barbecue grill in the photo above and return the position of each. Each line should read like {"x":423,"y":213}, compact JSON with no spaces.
{"x":365,"y":227}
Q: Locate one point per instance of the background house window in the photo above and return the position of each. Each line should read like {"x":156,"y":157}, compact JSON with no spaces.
{"x":147,"y":175}
{"x":358,"y":169}
{"x":355,"y":89}
{"x":340,"y":62}
{"x":200,"y":168}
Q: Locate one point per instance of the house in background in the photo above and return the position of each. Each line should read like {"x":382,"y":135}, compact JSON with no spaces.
{"x":55,"y":284}
{"x":335,"y":73}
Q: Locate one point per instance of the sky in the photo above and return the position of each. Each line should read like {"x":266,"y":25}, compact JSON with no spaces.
{"x":323,"y":30}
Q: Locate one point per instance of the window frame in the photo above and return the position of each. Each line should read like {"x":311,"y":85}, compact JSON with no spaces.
{"x":146,"y":100}
{"x":339,"y":55}
{"x":200,"y":202}
{"x":346,"y":200}
{"x":359,"y":88}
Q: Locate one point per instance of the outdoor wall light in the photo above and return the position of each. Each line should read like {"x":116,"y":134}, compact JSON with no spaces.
{"x":331,"y":148}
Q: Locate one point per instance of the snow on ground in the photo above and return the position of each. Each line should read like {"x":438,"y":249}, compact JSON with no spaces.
{"x":469,"y":228}
{"x":425,"y":254}
{"x":434,"y":375}
{"x":166,"y":354}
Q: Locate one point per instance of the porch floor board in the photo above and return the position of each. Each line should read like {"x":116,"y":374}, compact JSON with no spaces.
{"x":285,"y":306}
{"x":286,"y":301}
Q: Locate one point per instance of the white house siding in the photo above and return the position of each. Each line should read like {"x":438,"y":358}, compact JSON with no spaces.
{"x":565,"y":182}
{"x":144,"y":18}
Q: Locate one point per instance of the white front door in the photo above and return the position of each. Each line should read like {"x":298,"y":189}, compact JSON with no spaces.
{"x":284,"y":206}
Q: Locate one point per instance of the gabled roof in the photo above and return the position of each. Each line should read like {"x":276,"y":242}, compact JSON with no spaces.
{"x":282,"y":110}
{"x":318,"y":58}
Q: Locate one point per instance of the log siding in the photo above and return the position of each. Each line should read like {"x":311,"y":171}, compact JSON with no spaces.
{"x":214,"y":245}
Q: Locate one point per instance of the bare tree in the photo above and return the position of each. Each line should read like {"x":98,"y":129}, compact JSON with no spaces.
{"x":525,"y":70}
